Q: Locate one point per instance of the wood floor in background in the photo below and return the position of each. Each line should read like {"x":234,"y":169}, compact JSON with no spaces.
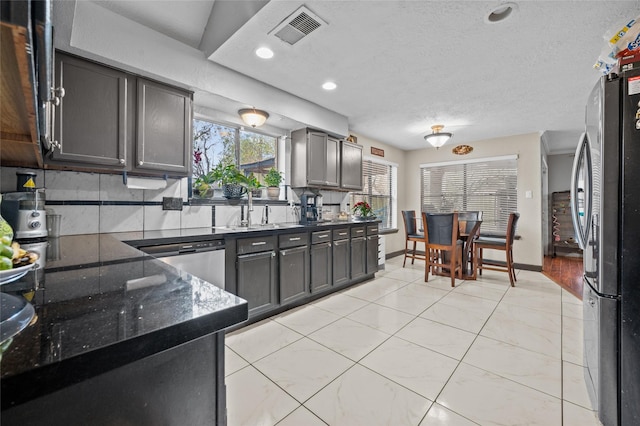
{"x":565,"y":271}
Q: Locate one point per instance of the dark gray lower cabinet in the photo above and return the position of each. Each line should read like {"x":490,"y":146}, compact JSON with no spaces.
{"x":257,"y":281}
{"x":321,"y":267}
{"x":340,"y":262}
{"x":294,"y":274}
{"x":372,"y":254}
{"x":358,"y":257}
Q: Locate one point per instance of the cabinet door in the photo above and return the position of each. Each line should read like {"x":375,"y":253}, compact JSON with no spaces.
{"x":164,"y":129}
{"x":256,"y":281}
{"x":294,"y":274}
{"x":316,"y":158}
{"x":358,"y":257}
{"x":332,"y":169}
{"x":351,"y":166}
{"x":341,"y":262}
{"x":92,"y":118}
{"x":321,"y":267}
{"x":372,"y":254}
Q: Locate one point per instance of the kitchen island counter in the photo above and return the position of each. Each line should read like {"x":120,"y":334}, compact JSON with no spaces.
{"x":112,"y":322}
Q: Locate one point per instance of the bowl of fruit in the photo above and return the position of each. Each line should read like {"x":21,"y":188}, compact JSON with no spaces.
{"x":15,"y":261}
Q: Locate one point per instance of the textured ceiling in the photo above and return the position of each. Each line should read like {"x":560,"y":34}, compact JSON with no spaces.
{"x":402,"y":66}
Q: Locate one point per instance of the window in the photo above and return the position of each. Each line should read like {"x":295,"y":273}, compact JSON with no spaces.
{"x":213,"y":143}
{"x":489,"y":185}
{"x":379,"y":190}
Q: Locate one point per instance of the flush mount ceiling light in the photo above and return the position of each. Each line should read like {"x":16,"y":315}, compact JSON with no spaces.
{"x":500,"y":12}
{"x":437,"y":138}
{"x":329,"y":85}
{"x":253,"y":117}
{"x":264,"y":53}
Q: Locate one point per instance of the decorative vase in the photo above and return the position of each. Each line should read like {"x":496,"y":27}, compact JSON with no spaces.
{"x":273,"y":192}
{"x":233,"y":191}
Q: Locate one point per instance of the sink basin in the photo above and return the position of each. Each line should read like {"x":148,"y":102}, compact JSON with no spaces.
{"x":259,"y":227}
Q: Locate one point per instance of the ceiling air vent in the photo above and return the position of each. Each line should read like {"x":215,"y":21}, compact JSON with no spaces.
{"x":297,"y":26}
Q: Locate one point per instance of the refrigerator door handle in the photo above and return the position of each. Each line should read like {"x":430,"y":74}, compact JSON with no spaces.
{"x":581,"y":152}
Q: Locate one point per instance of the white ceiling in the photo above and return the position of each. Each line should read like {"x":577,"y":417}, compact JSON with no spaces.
{"x":403,"y":66}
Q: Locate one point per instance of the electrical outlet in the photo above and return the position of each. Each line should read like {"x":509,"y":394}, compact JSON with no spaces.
{"x":171,"y":203}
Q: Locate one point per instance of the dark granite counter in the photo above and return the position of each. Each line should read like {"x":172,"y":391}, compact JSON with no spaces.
{"x":102,"y":304}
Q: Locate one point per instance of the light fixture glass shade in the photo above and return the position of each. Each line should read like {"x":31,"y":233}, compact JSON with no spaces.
{"x":253,"y":117}
{"x":437,"y":138}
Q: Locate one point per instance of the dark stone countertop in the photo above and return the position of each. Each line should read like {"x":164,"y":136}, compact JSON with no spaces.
{"x":101,"y":305}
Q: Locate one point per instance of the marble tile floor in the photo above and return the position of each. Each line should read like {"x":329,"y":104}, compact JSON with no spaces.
{"x":398,"y":351}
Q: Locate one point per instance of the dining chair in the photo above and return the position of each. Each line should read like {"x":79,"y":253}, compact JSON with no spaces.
{"x":469,"y":216}
{"x":504,"y":244}
{"x":411,"y":235}
{"x":443,"y":248}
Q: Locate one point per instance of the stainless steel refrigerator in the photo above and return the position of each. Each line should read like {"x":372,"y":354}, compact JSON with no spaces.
{"x":605,"y":201}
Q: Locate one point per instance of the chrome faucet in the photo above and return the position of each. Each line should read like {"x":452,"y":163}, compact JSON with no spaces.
{"x":265,"y":215}
{"x":246,"y":223}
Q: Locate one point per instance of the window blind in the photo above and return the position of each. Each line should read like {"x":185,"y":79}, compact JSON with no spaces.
{"x":489,"y":186}
{"x":377,"y":190}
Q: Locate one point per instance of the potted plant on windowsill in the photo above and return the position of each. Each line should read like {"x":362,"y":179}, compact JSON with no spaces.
{"x":272,"y":179}
{"x":231,"y":180}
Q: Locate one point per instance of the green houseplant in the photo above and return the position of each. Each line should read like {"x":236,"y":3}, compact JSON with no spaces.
{"x":233,"y":181}
{"x":272,"y":179}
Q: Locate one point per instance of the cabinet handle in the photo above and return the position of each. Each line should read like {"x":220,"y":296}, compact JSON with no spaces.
{"x":140,"y":163}
{"x":294,"y":239}
{"x":122,"y":161}
{"x":260,"y":243}
{"x":323,"y":236}
{"x":359,"y":231}
{"x":342,"y":233}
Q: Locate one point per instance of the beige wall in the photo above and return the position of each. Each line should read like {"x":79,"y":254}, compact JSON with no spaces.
{"x":527,"y":250}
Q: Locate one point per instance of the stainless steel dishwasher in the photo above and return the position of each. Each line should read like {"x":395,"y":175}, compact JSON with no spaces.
{"x":204,"y":259}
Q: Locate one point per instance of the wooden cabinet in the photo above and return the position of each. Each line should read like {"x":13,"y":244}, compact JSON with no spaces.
{"x":163,"y":120}
{"x":358,"y":257}
{"x":294,"y":274}
{"x":350,"y":166}
{"x":110,"y":120}
{"x":256,"y":273}
{"x":341,"y":257}
{"x":93,"y":119}
{"x":321,"y":262}
{"x":315,"y":159}
{"x":562,"y":231}
{"x":372,"y":249}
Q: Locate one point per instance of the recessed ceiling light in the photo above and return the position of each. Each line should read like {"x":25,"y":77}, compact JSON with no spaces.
{"x":500,"y":12}
{"x":329,"y":85}
{"x":264,"y":53}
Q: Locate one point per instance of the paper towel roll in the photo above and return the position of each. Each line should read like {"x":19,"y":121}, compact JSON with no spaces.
{"x":145,"y":183}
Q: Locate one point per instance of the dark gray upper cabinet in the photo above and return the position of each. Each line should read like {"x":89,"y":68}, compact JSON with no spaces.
{"x":315,"y":159}
{"x":93,"y":119}
{"x":112,"y":120}
{"x":350,"y":166}
{"x":163,"y":128}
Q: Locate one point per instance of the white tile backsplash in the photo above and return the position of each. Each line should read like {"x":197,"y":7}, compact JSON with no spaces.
{"x":155,"y":218}
{"x":173,"y":189}
{"x":72,"y":186}
{"x":77,"y":220}
{"x":121,"y":218}
{"x":196,"y":216}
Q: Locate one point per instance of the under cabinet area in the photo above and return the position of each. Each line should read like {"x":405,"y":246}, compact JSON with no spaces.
{"x":110,"y":120}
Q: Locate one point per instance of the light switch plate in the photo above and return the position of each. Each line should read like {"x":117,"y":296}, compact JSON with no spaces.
{"x":171,"y":203}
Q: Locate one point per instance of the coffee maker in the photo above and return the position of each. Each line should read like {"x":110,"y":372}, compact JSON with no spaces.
{"x":310,"y":208}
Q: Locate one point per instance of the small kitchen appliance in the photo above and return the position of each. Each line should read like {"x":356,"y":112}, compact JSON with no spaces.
{"x":25,"y":212}
{"x":309,"y":212}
